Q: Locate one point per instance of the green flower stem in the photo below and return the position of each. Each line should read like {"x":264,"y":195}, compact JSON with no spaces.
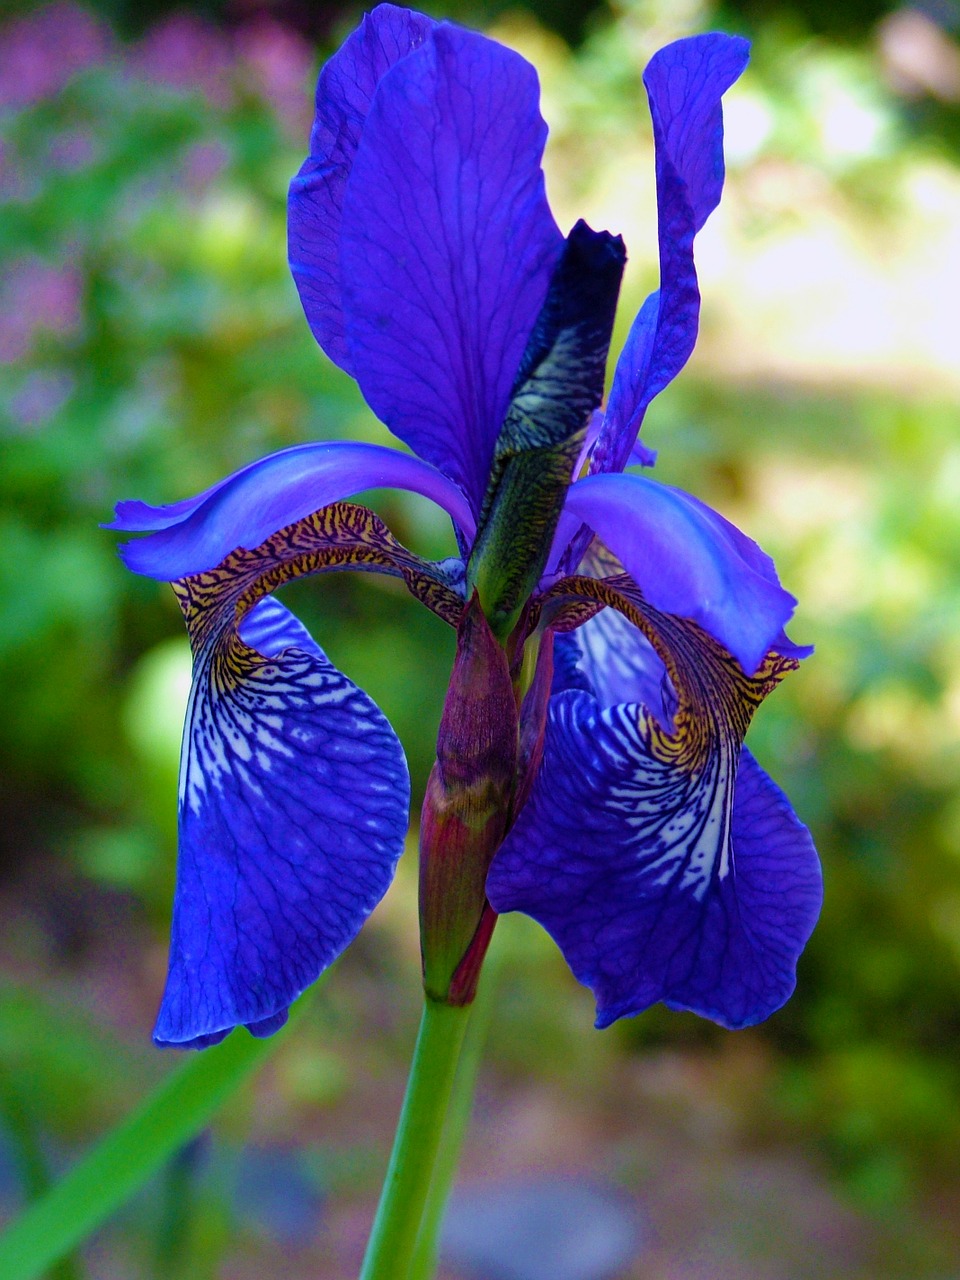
{"x":393,"y":1239}
{"x":458,"y":1121}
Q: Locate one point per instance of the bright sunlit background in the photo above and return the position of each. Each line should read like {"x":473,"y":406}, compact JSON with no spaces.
{"x":151,"y":341}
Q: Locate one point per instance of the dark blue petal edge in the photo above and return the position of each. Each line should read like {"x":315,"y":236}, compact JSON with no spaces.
{"x":345,"y":90}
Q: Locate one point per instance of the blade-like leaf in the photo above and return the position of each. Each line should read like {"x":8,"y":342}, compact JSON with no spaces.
{"x":103,"y":1180}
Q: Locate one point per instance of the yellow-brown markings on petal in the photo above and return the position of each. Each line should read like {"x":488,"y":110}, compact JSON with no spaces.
{"x":692,"y":760}
{"x":340,"y":536}
{"x":716,"y":699}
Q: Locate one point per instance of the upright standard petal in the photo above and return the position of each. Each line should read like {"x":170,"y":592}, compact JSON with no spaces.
{"x":448,"y":245}
{"x":252,"y":504}
{"x":685,"y":82}
{"x":688,"y":560}
{"x":663,"y":861}
{"x":293,"y":788}
{"x":345,"y":90}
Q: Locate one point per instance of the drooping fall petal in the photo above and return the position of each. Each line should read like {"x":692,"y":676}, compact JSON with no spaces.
{"x":663,"y":861}
{"x":293,"y":787}
{"x":293,"y":811}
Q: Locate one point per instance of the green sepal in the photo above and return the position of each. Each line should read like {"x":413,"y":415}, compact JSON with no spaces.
{"x":510,"y":554}
{"x":558,"y":386}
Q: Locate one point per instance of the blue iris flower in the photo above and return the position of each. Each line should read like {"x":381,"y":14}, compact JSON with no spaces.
{"x":644,"y":837}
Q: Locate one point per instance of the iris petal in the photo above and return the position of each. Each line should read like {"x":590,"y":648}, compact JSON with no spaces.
{"x":685,"y":82}
{"x":620,"y":665}
{"x":293,"y":811}
{"x":293,"y":789}
{"x":663,"y":861}
{"x":611,"y":658}
{"x":595,"y":860}
{"x":687,"y":560}
{"x":345,"y":90}
{"x":252,"y":504}
{"x":448,"y":247}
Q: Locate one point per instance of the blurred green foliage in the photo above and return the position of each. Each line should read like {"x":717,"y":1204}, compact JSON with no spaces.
{"x":151,"y":341}
{"x":154,"y":342}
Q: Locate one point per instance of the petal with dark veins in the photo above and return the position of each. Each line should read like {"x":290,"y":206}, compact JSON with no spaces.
{"x":345,"y":91}
{"x":660,"y":857}
{"x":685,"y":82}
{"x":448,"y":246}
{"x":294,"y":791}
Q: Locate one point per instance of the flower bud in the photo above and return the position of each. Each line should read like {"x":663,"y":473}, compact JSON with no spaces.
{"x":466,"y":809}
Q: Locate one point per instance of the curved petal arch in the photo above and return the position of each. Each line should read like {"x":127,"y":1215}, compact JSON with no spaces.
{"x":688,"y":560}
{"x":247,"y":508}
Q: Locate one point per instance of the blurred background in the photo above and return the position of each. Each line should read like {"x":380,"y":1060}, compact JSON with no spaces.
{"x":151,"y":341}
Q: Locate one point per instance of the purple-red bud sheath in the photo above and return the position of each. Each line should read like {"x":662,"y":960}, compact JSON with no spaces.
{"x":466,"y":808}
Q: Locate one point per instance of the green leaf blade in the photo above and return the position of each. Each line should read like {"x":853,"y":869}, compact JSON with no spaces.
{"x":104,"y":1179}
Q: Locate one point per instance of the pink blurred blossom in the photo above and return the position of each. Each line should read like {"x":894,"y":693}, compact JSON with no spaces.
{"x":13,"y":184}
{"x":282,"y":67}
{"x":185,"y":53}
{"x":36,"y":295}
{"x":40,"y":52}
{"x":72,"y":150}
{"x":202,"y":164}
{"x":42,"y":394}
